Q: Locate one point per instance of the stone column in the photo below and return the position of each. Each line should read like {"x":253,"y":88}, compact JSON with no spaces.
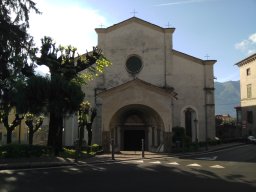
{"x":118,"y":137}
{"x":167,"y":142}
{"x":158,"y":137}
{"x":153,"y":136}
{"x":150,"y":138}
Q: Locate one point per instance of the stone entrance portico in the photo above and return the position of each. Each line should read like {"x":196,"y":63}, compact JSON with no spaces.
{"x":137,"y":110}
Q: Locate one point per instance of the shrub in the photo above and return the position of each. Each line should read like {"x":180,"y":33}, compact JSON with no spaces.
{"x":22,"y":150}
{"x":95,"y":148}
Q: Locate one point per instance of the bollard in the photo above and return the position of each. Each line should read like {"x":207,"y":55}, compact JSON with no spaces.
{"x":113,"y":150}
{"x":142,"y":148}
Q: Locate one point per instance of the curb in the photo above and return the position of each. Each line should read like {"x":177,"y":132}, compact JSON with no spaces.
{"x":33,"y":165}
{"x":91,"y":162}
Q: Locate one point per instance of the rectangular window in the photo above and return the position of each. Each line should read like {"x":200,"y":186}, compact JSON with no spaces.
{"x":248,"y":71}
{"x":249,"y":117}
{"x":249,"y":91}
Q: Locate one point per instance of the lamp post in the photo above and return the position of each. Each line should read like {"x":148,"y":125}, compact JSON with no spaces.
{"x":196,"y":138}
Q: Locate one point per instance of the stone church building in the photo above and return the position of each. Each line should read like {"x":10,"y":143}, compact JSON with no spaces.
{"x":149,"y":89}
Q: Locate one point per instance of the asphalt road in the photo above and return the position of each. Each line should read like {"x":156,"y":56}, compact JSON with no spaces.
{"x":244,"y":153}
{"x":232,"y":170}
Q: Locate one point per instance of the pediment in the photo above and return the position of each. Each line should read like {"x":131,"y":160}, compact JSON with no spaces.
{"x":134,"y":20}
{"x":139,"y":85}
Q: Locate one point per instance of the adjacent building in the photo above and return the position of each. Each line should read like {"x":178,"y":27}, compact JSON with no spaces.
{"x":246,"y":112}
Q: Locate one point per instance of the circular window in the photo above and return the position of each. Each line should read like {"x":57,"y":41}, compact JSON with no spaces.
{"x":133,"y":65}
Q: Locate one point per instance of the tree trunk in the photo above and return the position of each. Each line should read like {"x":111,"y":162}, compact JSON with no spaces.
{"x":55,"y":132}
{"x":30,"y":136}
{"x":89,"y":130}
{"x":9,"y":136}
{"x":11,"y":127}
{"x":89,"y":126}
{"x":81,"y":136}
{"x":29,"y":123}
{"x":8,"y":128}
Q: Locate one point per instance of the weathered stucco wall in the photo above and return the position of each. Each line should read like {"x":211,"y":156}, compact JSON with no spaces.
{"x":163,"y":67}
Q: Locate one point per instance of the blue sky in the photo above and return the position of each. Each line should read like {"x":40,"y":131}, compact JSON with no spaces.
{"x":223,"y":29}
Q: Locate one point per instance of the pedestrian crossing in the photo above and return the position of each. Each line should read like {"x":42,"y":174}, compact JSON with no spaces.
{"x":175,"y":163}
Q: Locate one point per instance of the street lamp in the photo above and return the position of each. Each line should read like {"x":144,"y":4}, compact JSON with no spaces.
{"x":196,"y":121}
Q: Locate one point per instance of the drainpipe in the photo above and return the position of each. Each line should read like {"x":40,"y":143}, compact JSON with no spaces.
{"x":206,"y":115}
{"x":165,"y":60}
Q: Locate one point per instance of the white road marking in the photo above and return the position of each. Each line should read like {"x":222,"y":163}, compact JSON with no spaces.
{"x":217,"y":166}
{"x":7,"y":171}
{"x":194,"y":165}
{"x":155,"y":162}
{"x":173,"y":163}
{"x":139,"y":161}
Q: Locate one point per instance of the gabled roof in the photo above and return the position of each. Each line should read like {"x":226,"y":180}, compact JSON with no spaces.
{"x":195,"y":59}
{"x":169,"y":91}
{"x":135,"y":20}
{"x":246,"y":60}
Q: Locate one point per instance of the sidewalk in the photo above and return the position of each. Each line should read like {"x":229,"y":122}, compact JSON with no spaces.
{"x":23,"y":163}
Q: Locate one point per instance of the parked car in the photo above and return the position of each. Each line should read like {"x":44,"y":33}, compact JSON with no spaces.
{"x":251,"y":139}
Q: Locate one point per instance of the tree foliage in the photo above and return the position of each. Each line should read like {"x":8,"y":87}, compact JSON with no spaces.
{"x":31,"y":100}
{"x":16,"y":54}
{"x":65,"y":93}
{"x":61,"y":93}
{"x":32,"y":95}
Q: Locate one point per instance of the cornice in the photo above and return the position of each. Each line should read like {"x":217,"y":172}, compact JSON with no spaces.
{"x":246,"y":60}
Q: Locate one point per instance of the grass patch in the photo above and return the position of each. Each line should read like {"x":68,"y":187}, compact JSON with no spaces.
{"x":72,"y":153}
{"x":24,"y":150}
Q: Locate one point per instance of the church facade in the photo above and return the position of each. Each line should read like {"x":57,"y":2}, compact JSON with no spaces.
{"x":149,"y":89}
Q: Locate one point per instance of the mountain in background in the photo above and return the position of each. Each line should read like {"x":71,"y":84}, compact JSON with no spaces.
{"x":227,"y":96}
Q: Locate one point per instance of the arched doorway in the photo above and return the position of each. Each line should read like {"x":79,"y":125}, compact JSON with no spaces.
{"x":191,"y":121}
{"x":134,"y":128}
{"x":133,"y":123}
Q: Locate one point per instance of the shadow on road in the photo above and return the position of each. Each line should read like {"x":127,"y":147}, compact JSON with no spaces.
{"x":123,"y":177}
{"x":245,"y":153}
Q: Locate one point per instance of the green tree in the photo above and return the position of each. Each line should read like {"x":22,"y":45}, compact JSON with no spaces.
{"x":86,"y":116}
{"x":16,"y":54}
{"x":32,"y":95}
{"x":34,"y":123}
{"x":65,"y":93}
{"x":31,"y":100}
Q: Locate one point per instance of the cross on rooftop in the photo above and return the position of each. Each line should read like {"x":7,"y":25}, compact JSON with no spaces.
{"x":101,"y":25}
{"x":168,"y":25}
{"x":134,"y":12}
{"x":207,"y":56}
